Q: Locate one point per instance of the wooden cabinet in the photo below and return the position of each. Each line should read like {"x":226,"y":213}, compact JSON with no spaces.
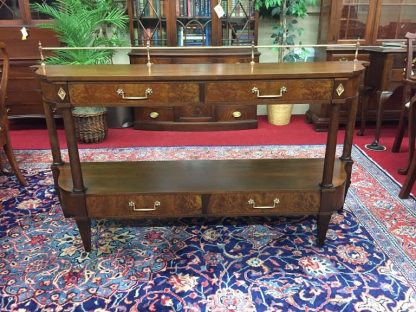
{"x":23,"y":92}
{"x":372,"y":22}
{"x":195,"y":25}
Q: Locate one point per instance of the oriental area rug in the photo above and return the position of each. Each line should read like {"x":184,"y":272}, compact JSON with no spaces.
{"x":368,"y":262}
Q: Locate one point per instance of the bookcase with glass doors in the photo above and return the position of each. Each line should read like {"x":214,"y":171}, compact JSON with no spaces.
{"x":194,"y":24}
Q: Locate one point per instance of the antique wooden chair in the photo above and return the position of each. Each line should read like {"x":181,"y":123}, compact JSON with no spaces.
{"x":408,"y":112}
{"x":4,"y":123}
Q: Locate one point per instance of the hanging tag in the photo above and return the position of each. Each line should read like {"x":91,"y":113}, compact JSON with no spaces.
{"x":219,"y":10}
{"x":24,"y":32}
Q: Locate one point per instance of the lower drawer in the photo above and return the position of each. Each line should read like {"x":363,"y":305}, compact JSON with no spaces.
{"x":142,"y":206}
{"x":235,"y":112}
{"x":154,"y":113}
{"x":265,"y":203}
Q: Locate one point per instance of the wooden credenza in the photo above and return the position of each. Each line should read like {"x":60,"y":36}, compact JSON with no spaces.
{"x":200,"y":187}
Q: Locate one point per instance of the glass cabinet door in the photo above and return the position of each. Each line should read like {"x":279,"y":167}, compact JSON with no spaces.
{"x":150,"y":22}
{"x":238,"y":23}
{"x":396,"y":18}
{"x":354,"y":17}
{"x":17,"y":12}
{"x":10,"y":11}
{"x":193,"y":22}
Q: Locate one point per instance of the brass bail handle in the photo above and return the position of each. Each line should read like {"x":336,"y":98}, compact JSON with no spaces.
{"x":251,"y":201}
{"x":256,"y":91}
{"x":132,"y":204}
{"x":147,"y":93}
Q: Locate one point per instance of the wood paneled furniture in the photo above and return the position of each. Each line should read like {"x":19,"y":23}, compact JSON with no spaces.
{"x":4,"y":122}
{"x":24,"y":97}
{"x":177,"y":23}
{"x":372,"y":22}
{"x":201,"y":187}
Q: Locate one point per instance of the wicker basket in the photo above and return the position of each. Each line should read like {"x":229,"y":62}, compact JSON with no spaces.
{"x":91,"y":127}
{"x":279,"y":114}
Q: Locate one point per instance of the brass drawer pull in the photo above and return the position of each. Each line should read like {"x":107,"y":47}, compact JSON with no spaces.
{"x":343,"y":59}
{"x":252,"y":202}
{"x":154,"y":115}
{"x":236,"y":114}
{"x":132,"y":204}
{"x":148,"y":92}
{"x":256,"y":91}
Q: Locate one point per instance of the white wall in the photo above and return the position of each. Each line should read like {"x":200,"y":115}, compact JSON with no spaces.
{"x":310,"y":36}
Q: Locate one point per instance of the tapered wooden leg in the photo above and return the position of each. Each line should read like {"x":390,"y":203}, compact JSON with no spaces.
{"x":323,"y":223}
{"x":402,"y":122}
{"x":13,"y":163}
{"x":364,"y":96}
{"x":84,"y":227}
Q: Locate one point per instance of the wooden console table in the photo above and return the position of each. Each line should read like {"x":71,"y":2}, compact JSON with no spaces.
{"x":200,"y":187}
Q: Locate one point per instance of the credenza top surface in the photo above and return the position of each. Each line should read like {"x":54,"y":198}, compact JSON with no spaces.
{"x":207,"y":72}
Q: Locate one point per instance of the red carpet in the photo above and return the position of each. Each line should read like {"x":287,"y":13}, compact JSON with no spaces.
{"x":297,"y":132}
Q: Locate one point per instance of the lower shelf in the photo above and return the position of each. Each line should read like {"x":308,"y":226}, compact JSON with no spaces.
{"x":162,"y":189}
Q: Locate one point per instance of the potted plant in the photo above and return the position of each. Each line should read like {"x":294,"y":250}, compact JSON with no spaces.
{"x":85,"y":23}
{"x":286,"y":32}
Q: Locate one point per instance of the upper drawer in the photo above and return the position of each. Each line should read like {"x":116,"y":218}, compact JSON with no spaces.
{"x":142,"y":206}
{"x":283,"y":90}
{"x":132,"y":94}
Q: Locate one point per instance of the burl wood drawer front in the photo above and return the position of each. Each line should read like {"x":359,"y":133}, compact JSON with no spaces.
{"x":154,"y":113}
{"x":282,"y":203}
{"x":139,"y":206}
{"x":137,"y":93}
{"x":235,"y":112}
{"x":284,"y":90}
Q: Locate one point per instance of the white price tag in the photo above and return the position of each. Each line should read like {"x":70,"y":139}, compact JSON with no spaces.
{"x":24,"y":32}
{"x":219,"y":10}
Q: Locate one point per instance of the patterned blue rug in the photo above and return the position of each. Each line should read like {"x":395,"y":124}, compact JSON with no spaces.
{"x":368,"y":262}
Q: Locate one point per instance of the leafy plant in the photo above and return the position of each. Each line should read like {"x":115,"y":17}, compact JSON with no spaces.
{"x":84,"y":23}
{"x":287,"y":31}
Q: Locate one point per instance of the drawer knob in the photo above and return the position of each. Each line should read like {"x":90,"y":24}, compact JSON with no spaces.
{"x":343,"y":59}
{"x":132,"y":204}
{"x":154,"y":115}
{"x":256,"y":91}
{"x":253,"y":203}
{"x":236,"y":114}
{"x":147,"y":92}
